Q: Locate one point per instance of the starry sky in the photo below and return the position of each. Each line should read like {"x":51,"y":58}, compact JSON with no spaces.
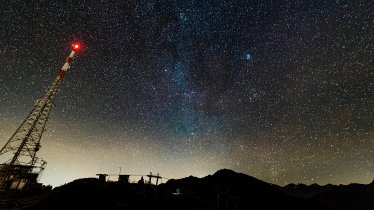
{"x":280,"y":90}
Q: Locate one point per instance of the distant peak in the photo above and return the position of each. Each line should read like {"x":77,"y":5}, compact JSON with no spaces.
{"x":224,"y":172}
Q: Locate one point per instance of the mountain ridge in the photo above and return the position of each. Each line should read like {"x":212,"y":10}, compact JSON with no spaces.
{"x":225,"y":189}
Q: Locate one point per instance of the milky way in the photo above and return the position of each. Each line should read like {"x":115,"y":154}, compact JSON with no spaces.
{"x":280,"y":91}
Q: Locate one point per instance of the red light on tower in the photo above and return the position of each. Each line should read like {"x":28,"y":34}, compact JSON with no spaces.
{"x":76,"y":46}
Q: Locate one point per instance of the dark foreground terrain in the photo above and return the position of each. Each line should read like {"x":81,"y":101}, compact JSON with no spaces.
{"x":223,"y":190}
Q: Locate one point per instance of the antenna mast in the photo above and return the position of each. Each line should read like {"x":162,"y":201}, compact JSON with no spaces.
{"x":22,"y":167}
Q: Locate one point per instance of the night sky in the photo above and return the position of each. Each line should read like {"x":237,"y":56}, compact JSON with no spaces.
{"x":281,"y":91}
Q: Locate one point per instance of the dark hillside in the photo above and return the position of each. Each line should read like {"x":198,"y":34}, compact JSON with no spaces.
{"x":225,"y":189}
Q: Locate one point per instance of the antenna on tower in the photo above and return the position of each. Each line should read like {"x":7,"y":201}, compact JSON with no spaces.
{"x":22,"y":167}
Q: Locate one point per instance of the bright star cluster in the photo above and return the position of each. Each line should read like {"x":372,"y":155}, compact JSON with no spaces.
{"x":280,"y":90}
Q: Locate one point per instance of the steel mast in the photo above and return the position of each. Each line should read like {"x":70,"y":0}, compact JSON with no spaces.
{"x":22,"y":166}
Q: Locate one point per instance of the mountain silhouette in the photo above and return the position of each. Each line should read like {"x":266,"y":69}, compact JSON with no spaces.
{"x":352,"y":196}
{"x":223,"y":190}
{"x":227,"y":189}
